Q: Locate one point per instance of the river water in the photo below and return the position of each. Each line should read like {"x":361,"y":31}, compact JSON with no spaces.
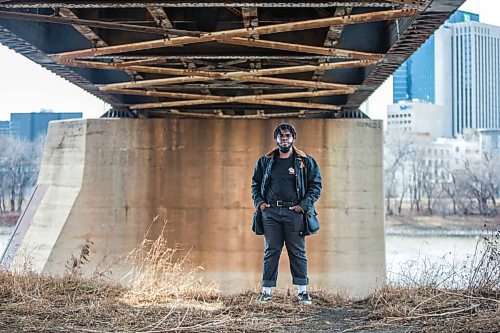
{"x":5,"y":233}
{"x":405,"y":254}
{"x":422,"y":259}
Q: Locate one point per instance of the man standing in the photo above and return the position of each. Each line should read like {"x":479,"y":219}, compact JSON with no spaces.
{"x":285,"y":185}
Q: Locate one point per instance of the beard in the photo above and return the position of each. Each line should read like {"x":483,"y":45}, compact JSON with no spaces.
{"x":285,"y":149}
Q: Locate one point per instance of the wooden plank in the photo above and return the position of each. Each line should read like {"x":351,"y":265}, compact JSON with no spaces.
{"x":248,"y":32}
{"x":340,"y":53}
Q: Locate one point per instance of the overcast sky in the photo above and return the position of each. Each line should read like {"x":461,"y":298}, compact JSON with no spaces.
{"x":27,"y":87}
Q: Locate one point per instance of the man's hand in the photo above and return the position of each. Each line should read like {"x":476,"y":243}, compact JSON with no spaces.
{"x":296,"y":209}
{"x":263,"y":206}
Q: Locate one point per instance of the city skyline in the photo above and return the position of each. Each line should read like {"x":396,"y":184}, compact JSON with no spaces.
{"x":455,"y":69}
{"x":27,"y":87}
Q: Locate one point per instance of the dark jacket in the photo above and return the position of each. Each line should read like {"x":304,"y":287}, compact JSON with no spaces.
{"x":308,"y":182}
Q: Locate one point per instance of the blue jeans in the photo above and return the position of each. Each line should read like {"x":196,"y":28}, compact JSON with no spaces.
{"x":282,"y":225}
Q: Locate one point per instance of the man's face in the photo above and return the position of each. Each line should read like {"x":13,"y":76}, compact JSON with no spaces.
{"x":284,"y":140}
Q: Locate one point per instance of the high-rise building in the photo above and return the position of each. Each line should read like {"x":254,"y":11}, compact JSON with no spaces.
{"x":411,"y":80}
{"x":464,"y":58}
{"x":475,"y":67}
{"x":30,"y":126}
{"x":4,"y":127}
{"x":416,"y":76}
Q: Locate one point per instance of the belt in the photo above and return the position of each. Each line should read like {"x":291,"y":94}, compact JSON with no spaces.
{"x":281,"y":203}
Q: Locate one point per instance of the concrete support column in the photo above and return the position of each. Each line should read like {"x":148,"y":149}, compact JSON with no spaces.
{"x":108,"y":179}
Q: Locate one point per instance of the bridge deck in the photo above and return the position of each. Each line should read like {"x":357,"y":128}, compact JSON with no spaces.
{"x":223,"y":58}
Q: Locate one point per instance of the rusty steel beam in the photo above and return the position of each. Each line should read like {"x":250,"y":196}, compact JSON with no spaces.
{"x":160,"y":16}
{"x":260,"y":30}
{"x":271,"y":80}
{"x":297,"y":83}
{"x":161,"y":19}
{"x":85,"y":30}
{"x":140,"y":62}
{"x":413,"y":3}
{"x":94,"y":38}
{"x":239,"y":99}
{"x":332,"y":38}
{"x":300,"y":48}
{"x":166,"y":94}
{"x":220,"y":115}
{"x":229,"y":65}
{"x":199,"y":4}
{"x":219,"y":75}
{"x":335,"y":31}
{"x":250,"y":18}
{"x":92,"y":23}
{"x":245,"y":76}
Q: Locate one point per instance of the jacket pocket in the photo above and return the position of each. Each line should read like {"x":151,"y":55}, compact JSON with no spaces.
{"x":311,"y":224}
{"x":257,"y":225}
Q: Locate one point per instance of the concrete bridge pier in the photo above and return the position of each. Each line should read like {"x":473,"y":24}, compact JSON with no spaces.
{"x":108,"y":178}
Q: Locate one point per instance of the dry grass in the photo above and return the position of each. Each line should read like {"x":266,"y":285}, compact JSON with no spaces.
{"x":32,"y":302}
{"x":460,"y":299}
{"x":435,"y":310}
{"x":164,"y":295}
{"x":158,"y":275}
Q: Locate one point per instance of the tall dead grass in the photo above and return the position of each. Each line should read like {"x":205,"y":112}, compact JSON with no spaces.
{"x":456,"y":298}
{"x":160,"y":274}
{"x":164,"y":294}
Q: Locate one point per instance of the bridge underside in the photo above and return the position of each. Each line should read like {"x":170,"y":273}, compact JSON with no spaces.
{"x":105,"y":180}
{"x":223,"y":58}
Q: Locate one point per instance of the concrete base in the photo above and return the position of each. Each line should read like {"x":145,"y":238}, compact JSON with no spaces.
{"x":109,"y":178}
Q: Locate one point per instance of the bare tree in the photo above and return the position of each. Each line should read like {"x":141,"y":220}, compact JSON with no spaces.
{"x":450,"y":186}
{"x":3,"y":171}
{"x":482,"y":183}
{"x":20,"y":163}
{"x":397,"y":150}
{"x":418,"y":173}
{"x":402,"y":191}
{"x":414,"y":170}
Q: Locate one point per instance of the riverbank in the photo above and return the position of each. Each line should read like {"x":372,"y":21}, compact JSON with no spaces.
{"x":441,"y":225}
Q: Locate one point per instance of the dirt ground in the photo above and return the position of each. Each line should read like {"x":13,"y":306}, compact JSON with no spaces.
{"x":34,"y":303}
{"x":82,"y":307}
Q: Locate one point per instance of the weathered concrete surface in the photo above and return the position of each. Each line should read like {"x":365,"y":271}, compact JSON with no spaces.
{"x":108,"y":179}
